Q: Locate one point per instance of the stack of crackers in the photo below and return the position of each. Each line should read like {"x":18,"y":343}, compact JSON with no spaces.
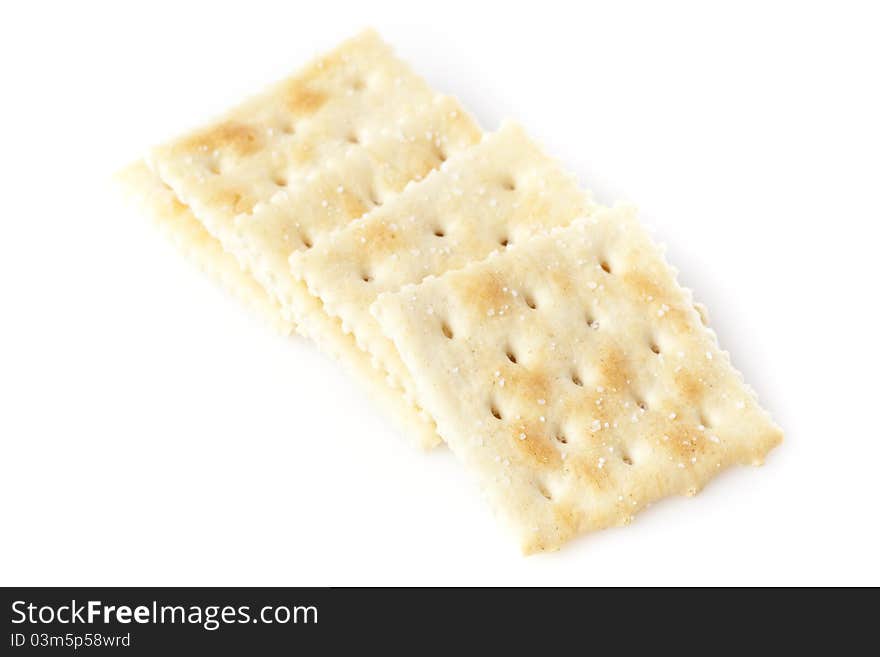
{"x":469,"y":282}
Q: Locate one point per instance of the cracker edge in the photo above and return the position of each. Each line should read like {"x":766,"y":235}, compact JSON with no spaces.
{"x":180,"y":226}
{"x":177,"y":222}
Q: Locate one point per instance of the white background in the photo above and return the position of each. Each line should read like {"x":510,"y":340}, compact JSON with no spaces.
{"x":153,"y":432}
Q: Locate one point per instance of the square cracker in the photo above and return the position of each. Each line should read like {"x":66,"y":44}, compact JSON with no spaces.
{"x":484,"y":199}
{"x":575,"y":376}
{"x":306,"y":157}
{"x":177,"y":222}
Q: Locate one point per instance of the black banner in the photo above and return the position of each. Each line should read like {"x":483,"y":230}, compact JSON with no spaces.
{"x":153,"y":621}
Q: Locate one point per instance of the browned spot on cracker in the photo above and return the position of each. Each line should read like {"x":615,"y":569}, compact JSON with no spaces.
{"x":644,"y":287}
{"x":177,"y":207}
{"x":680,"y":321}
{"x":657,"y":295}
{"x":302,"y":95}
{"x":564,"y":284}
{"x":302,"y":99}
{"x":690,"y":388}
{"x":533,"y":444}
{"x":381,"y":238}
{"x":353,"y":205}
{"x":485,"y":294}
{"x":232,"y":136}
{"x":614,"y":368}
{"x":591,"y":471}
{"x":528,"y":386}
{"x":683,"y":442}
{"x":244,"y":204}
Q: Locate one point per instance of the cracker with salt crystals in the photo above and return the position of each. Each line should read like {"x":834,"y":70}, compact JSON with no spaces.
{"x":306,"y":157}
{"x":178,"y":224}
{"x":485,"y":199}
{"x":574,"y":375}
